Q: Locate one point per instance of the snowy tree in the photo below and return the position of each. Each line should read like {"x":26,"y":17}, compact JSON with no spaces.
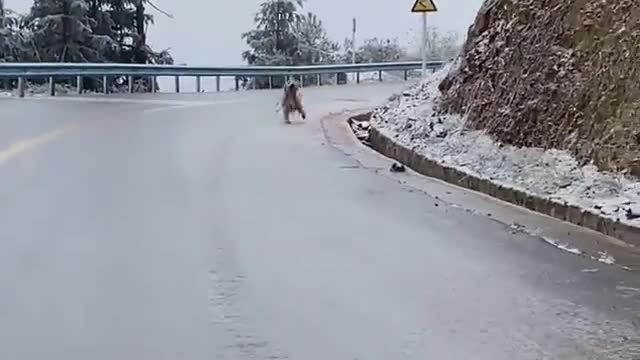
{"x":439,"y":45}
{"x":443,"y":46}
{"x":376,"y":50}
{"x":273,"y":42}
{"x":14,"y":41}
{"x":283,"y":36}
{"x":91,"y":31}
{"x":81,"y":31}
{"x":313,"y":43}
{"x":63,"y":31}
{"x":126,"y":23}
{"x":86,"y":31}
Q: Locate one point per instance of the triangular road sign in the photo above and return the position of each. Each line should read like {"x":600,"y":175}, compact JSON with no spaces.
{"x":424,"y":6}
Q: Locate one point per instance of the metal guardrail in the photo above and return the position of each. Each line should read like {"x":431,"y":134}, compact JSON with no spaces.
{"x":23,"y":71}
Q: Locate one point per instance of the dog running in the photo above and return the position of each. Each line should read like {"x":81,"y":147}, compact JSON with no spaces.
{"x":291,"y":102}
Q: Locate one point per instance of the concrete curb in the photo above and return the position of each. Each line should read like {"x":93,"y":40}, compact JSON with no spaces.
{"x":564,"y":212}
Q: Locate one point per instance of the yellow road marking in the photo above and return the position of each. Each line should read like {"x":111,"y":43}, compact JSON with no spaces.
{"x":19,"y":147}
{"x":22,"y":146}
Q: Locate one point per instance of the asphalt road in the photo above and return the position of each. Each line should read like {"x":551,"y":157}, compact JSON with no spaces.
{"x":201,"y":227}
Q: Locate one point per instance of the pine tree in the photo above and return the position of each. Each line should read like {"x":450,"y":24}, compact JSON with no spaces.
{"x":273,"y":41}
{"x":313,"y":43}
{"x":103,"y":27}
{"x":283,"y":36}
{"x":12,"y":44}
{"x":63,"y":31}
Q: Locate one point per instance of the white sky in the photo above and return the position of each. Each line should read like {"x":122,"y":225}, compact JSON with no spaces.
{"x":207,"y":32}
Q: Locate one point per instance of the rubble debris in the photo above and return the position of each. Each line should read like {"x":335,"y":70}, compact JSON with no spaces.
{"x":397,"y":168}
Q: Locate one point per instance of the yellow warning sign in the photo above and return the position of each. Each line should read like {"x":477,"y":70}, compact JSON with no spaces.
{"x":421,"y":6}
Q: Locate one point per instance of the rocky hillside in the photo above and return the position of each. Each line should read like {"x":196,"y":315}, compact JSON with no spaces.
{"x":561,"y":74}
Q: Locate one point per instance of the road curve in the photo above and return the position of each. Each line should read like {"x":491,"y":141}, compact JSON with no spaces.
{"x":201,"y":227}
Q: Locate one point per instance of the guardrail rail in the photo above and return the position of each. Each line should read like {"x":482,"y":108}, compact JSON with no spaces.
{"x":52,"y":71}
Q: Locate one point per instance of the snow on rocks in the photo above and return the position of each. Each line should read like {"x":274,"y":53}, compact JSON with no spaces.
{"x":412,"y":120}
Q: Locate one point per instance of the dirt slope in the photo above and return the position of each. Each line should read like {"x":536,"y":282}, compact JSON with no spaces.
{"x":559,"y":74}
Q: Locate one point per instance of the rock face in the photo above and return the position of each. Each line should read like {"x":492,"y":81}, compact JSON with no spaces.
{"x":561,"y":74}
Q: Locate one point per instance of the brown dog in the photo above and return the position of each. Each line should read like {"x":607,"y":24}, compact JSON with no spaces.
{"x":291,"y":102}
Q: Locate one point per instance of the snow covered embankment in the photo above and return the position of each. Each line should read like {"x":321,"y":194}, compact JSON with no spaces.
{"x":411,"y":120}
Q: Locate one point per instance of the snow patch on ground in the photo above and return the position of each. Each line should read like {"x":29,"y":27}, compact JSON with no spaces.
{"x":606,"y":258}
{"x":372,"y":76}
{"x":40,"y":90}
{"x":602,"y":257}
{"x":411,"y":120}
{"x":564,"y":247}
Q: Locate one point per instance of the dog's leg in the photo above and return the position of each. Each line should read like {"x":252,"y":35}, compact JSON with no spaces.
{"x":286,"y":112}
{"x":300,"y":108}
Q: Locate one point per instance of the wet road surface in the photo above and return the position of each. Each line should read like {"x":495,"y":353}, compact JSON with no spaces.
{"x":201,"y":227}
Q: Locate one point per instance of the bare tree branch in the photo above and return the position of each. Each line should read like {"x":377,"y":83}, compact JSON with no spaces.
{"x":170,"y":16}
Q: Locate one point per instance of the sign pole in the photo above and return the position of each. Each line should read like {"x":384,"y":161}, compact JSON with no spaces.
{"x":424,"y":6}
{"x":424,"y":45}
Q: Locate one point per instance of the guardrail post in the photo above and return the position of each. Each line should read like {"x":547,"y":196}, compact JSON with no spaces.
{"x":21,"y":87}
{"x":79,"y":84}
{"x":105,"y":84}
{"x":319,"y":80}
{"x":52,"y":87}
{"x":270,"y":82}
{"x":198,"y":84}
{"x":406,"y":75}
{"x":130,"y":81}
{"x":358,"y":77}
{"x":154,"y":83}
{"x":218,"y":83}
{"x":380,"y":75}
{"x":301,"y":80}
{"x":237,"y":84}
{"x":177,"y":80}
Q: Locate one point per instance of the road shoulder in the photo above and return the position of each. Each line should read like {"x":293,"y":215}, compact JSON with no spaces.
{"x":564,"y":235}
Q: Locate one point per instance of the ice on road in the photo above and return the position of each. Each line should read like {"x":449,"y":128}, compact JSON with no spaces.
{"x":217,"y":232}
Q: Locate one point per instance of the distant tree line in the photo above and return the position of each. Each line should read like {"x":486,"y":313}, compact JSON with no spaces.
{"x":284,"y":35}
{"x":80,"y":31}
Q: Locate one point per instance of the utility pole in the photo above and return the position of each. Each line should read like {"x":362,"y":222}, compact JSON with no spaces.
{"x":353,"y":42}
{"x":353,"y":46}
{"x":424,"y":45}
